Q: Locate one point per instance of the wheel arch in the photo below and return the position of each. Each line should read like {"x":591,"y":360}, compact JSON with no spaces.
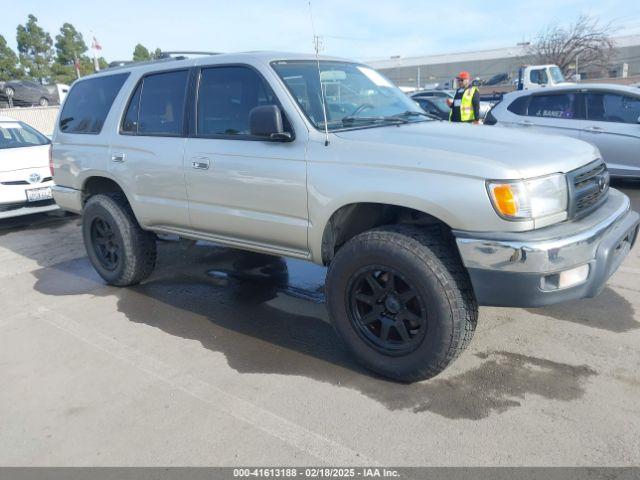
{"x":96,"y":184}
{"x":351,"y":219}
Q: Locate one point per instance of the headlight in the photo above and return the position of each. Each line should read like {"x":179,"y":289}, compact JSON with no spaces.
{"x":529,"y":199}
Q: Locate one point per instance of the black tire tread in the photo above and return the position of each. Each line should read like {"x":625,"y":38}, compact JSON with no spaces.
{"x":432,"y":246}
{"x":139,"y":244}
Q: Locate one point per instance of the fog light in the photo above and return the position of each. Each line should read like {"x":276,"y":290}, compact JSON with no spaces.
{"x":566,"y":279}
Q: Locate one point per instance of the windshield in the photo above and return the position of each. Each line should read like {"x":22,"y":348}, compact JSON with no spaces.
{"x":19,"y":134}
{"x":556,"y":75}
{"x":355,"y":95}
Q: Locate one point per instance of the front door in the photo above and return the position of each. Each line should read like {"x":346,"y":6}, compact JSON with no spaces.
{"x":613,"y":126}
{"x":243,"y":189}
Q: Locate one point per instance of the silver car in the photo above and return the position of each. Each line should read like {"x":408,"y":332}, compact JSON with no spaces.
{"x":418,"y":221}
{"x":608,"y":116}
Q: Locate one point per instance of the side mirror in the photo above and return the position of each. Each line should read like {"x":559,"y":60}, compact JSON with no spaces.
{"x":266,"y":121}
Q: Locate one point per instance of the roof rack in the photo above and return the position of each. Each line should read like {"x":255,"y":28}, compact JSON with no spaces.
{"x":164,"y":57}
{"x":186,"y":52}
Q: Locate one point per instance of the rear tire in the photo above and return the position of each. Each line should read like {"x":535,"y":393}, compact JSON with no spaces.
{"x":402,"y":301}
{"x":44,"y":102}
{"x":119,"y":249}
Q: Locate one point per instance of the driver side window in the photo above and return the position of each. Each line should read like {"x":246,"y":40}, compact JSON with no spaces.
{"x":610,"y":107}
{"x":226,"y":96}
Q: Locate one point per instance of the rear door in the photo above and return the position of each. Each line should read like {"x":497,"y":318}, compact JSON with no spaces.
{"x":613,"y":126}
{"x":243,"y":188}
{"x":560,"y":113}
{"x":147,"y":153}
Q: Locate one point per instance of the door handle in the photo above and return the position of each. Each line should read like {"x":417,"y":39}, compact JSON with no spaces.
{"x":594,"y":129}
{"x":525,"y":123}
{"x":117,"y":157}
{"x":200,"y":163}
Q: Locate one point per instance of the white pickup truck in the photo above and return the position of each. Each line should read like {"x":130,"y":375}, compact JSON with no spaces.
{"x":419,"y":221}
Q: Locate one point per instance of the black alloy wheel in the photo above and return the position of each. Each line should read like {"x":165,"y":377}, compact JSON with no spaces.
{"x":105,"y":243}
{"x":386,"y":310}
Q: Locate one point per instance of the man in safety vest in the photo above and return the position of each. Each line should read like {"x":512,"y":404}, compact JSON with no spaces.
{"x":465,"y":106}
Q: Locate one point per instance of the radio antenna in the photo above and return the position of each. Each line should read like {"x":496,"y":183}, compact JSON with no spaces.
{"x":316,"y":47}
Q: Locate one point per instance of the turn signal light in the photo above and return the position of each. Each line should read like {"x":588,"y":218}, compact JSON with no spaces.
{"x":505,"y":199}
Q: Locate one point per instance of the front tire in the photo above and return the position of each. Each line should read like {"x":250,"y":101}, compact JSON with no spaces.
{"x":119,"y":249}
{"x":401,"y":300}
{"x":44,"y":102}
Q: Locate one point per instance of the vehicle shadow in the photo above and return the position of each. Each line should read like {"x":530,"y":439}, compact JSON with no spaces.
{"x":265,"y":315}
{"x":595,"y":312}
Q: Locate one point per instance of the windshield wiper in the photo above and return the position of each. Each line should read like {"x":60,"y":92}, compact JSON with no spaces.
{"x":390,"y":119}
{"x":414,"y":113}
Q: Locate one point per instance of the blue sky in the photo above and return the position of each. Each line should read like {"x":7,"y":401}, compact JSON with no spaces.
{"x":359,"y":29}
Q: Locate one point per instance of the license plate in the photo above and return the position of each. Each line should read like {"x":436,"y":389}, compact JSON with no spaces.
{"x":39,"y":194}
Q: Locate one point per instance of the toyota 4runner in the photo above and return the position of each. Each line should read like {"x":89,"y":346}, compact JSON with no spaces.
{"x":418,"y":220}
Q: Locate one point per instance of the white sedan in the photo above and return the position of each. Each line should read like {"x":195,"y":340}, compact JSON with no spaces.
{"x":25,"y":177}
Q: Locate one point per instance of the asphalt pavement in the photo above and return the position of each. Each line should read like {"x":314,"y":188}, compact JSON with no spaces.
{"x":226,"y":358}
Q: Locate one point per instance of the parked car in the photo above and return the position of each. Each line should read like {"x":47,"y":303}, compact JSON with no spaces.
{"x":434,"y":93}
{"x":27,"y":92}
{"x":419,"y":221}
{"x":497,"y":79}
{"x":607,"y":116}
{"x":436,"y":106}
{"x":25,"y":178}
{"x":428,"y":98}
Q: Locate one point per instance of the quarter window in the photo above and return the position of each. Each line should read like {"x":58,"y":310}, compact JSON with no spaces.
{"x":88,"y":104}
{"x":518,"y":106}
{"x":226,"y":95}
{"x":554,"y":106}
{"x":611,"y":107}
{"x":157,"y":105}
{"x":130,"y":122}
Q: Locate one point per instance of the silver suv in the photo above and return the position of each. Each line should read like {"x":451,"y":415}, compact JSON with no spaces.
{"x":606,"y":115}
{"x":418,"y":220}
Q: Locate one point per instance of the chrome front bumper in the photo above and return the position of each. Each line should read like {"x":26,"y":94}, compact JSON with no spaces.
{"x":508,"y":269}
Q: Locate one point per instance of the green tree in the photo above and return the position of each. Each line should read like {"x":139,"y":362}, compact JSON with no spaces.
{"x":35,"y":49}
{"x":9,"y":66}
{"x":141,"y":54}
{"x":69,"y":46}
{"x":157,"y":54}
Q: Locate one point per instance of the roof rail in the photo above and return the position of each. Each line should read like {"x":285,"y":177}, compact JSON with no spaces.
{"x":128,"y":64}
{"x":186,"y":52}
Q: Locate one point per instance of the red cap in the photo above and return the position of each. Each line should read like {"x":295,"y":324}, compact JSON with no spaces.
{"x":463,"y":75}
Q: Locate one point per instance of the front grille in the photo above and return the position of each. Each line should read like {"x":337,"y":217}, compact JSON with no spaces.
{"x":588,"y":188}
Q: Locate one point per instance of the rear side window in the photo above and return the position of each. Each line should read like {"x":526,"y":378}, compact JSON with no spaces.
{"x":562,"y":106}
{"x":88,"y":104}
{"x":519,"y":106}
{"x":157,"y":105}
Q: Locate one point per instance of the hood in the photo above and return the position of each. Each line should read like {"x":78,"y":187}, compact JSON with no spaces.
{"x":21,"y":158}
{"x":482,"y":151}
